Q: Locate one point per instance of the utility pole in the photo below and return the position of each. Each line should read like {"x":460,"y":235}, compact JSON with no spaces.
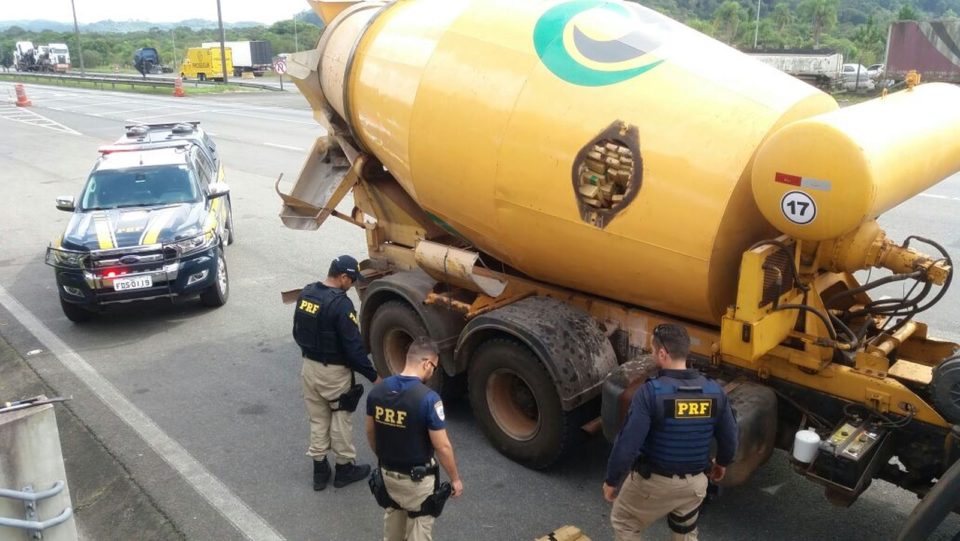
{"x":223,"y":38}
{"x":76,"y":30}
{"x":296,"y":41}
{"x":173,"y":38}
{"x":756,"y":30}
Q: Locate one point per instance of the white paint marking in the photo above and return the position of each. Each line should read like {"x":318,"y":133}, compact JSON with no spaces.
{"x":937,"y":196}
{"x":21,"y":114}
{"x":248,"y":522}
{"x":298,"y":149}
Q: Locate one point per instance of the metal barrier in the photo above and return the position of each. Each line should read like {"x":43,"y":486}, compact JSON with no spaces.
{"x":124,"y":80}
{"x":30,"y":498}
{"x":32,"y":457}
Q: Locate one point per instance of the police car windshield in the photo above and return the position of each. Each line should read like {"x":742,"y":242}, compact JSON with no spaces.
{"x":140,"y":187}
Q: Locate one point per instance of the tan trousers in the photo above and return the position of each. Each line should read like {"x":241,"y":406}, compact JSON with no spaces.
{"x":397,"y":526}
{"x":328,"y":429}
{"x":642,"y":502}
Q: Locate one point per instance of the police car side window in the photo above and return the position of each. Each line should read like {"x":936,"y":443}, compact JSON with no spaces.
{"x":211,"y":146}
{"x":202,"y":170}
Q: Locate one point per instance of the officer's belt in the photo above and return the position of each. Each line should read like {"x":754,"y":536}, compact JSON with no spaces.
{"x":644,"y":467}
{"x":335,"y":362}
{"x":430,"y":468}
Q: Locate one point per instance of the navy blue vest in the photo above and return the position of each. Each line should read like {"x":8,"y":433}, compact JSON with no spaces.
{"x":403,"y":440}
{"x":314,"y":323}
{"x":686,"y":413}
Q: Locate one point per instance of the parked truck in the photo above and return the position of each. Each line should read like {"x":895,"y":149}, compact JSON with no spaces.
{"x":145,"y":59}
{"x":538,"y":194}
{"x":204,"y":63}
{"x":54,"y":57}
{"x":820,"y":68}
{"x":59,"y":55}
{"x":928,"y":47}
{"x":248,"y":56}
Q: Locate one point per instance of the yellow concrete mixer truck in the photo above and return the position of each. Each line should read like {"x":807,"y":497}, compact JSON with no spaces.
{"x":542,"y":183}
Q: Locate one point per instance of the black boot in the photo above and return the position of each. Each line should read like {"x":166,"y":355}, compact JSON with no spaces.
{"x":321,"y":474}
{"x":350,"y":473}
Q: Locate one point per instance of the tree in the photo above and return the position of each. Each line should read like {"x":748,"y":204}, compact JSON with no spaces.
{"x":908,"y":13}
{"x":822,"y":15}
{"x":727,"y":20}
{"x":782,"y":16}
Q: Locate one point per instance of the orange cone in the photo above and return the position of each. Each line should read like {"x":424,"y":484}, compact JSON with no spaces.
{"x":178,"y":88}
{"x":22,"y":100}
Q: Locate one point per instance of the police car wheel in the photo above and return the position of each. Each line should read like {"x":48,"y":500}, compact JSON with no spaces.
{"x":217,"y":294}
{"x":517,"y":406}
{"x":75,"y":312}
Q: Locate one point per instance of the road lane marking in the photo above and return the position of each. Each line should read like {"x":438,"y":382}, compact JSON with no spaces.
{"x":26,"y":116}
{"x":937,"y":196}
{"x":238,"y":513}
{"x":287,"y":147}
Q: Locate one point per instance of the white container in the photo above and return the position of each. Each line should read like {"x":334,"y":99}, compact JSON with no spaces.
{"x":805,"y":446}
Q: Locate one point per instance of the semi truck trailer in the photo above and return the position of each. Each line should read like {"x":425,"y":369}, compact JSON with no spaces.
{"x":542,"y":183}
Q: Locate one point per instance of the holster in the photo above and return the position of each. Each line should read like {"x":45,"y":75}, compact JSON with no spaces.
{"x":349,"y":400}
{"x":379,"y":490}
{"x":434,"y":503}
{"x":642,"y":466}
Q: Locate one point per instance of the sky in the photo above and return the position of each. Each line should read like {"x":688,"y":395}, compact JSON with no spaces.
{"x":160,"y":11}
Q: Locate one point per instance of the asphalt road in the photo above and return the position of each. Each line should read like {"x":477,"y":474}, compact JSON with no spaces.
{"x":223,"y":384}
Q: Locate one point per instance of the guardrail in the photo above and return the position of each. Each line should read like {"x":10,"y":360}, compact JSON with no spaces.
{"x":112,"y":81}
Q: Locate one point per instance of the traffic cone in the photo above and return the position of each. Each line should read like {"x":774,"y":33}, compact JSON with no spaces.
{"x":178,"y":88}
{"x":22,"y":100}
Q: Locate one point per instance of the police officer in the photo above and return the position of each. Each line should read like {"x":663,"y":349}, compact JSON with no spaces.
{"x":405,"y":425}
{"x":665,"y":441}
{"x":325,"y":327}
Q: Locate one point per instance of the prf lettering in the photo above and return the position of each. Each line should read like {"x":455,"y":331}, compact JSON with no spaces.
{"x":693,"y":408}
{"x":308,"y":307}
{"x":390,"y":416}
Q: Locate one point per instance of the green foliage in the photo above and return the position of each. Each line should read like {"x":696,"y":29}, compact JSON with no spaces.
{"x":105,"y":50}
{"x":908,"y":13}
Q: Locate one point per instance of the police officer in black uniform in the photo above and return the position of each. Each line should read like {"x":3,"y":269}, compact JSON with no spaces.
{"x":405,"y":425}
{"x":325,"y":327}
{"x":665,"y":441}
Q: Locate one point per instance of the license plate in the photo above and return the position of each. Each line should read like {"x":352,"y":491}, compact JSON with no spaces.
{"x":138,"y":282}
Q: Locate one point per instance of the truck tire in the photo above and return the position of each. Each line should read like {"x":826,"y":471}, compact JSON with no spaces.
{"x":516,"y":404}
{"x":393,"y":328}
{"x":945,"y":389}
{"x":201,"y":76}
{"x":217,"y":294}
{"x":75,"y":312}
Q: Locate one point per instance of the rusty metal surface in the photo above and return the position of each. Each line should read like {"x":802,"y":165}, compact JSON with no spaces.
{"x":618,"y":391}
{"x":568,"y":341}
{"x":413,"y":287}
{"x":755,"y":407}
{"x":455,"y":266}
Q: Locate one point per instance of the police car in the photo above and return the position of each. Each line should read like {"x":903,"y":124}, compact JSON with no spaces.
{"x":151,"y":222}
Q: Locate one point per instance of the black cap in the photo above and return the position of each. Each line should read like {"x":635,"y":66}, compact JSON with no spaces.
{"x":346,"y":265}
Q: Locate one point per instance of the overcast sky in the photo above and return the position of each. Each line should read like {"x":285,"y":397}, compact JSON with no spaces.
{"x":90,"y":11}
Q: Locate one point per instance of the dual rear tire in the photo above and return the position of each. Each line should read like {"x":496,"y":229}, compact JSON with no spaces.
{"x":513,"y":397}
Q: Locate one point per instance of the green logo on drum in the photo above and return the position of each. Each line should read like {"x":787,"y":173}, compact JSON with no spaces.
{"x":583,"y":52}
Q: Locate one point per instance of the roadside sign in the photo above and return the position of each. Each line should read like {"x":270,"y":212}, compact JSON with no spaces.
{"x":280,"y":67}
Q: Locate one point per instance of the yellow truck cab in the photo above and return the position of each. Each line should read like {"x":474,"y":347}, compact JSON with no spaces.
{"x":203,"y":63}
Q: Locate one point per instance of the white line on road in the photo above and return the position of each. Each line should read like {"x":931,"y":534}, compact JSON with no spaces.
{"x":21,"y":114}
{"x":245,"y":519}
{"x":298,"y":149}
{"x":937,"y":196}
